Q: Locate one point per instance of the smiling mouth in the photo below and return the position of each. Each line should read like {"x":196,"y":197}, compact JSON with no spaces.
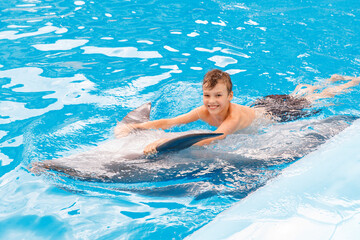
{"x":213,"y":106}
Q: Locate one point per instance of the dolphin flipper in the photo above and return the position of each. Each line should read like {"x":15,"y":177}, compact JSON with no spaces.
{"x":185,"y":141}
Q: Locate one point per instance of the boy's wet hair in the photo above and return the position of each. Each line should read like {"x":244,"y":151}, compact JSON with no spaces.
{"x":213,"y":77}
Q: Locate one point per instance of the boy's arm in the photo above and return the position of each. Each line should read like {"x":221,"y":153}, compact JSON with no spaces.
{"x":168,"y":123}
{"x":125,"y":129}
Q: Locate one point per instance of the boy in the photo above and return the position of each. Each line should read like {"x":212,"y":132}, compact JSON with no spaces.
{"x":228,"y":117}
{"x":217,"y":111}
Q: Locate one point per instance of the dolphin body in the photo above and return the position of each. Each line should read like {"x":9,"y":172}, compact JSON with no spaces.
{"x":237,"y":165}
{"x":111,"y":160}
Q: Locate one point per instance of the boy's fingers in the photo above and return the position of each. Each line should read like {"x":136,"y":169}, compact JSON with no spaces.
{"x":150,"y":149}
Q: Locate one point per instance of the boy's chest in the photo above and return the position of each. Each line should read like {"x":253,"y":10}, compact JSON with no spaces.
{"x":212,"y":121}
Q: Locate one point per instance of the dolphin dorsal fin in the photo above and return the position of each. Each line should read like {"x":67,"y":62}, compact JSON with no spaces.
{"x":139,"y":115}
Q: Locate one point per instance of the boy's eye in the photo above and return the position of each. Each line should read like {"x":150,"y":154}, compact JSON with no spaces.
{"x":206,"y":95}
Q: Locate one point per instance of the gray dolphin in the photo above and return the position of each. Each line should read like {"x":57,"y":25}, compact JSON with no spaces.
{"x":139,"y":115}
{"x":237,"y":165}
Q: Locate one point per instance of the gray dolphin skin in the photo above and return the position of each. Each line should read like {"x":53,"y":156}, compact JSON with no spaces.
{"x":139,"y":115}
{"x":236,"y":165}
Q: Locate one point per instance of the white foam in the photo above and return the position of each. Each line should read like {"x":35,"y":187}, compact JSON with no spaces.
{"x":66,"y":91}
{"x":220,"y":23}
{"x":234,"y":71}
{"x":214,"y":49}
{"x":193,"y":34}
{"x":13,"y":142}
{"x":201,"y":22}
{"x":79,"y":3}
{"x":145,"y":41}
{"x":13,"y":35}
{"x":4,"y":160}
{"x":171,"y":49}
{"x":196,"y":68}
{"x":222,"y":61}
{"x":62,"y":44}
{"x":251,"y":22}
{"x":146,"y":81}
{"x":122,"y":52}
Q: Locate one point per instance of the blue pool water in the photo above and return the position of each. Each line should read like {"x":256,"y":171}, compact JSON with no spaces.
{"x":70,"y":69}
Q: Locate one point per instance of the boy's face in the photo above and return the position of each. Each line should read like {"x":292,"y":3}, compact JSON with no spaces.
{"x":217,"y":99}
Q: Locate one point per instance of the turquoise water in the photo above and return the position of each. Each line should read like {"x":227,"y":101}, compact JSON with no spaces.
{"x":70,"y":69}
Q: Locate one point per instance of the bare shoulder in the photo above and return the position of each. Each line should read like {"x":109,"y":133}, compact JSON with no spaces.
{"x":241,"y":111}
{"x":202,"y":111}
{"x":243,"y":115}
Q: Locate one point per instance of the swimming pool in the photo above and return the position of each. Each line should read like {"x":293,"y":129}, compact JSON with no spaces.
{"x":70,"y":69}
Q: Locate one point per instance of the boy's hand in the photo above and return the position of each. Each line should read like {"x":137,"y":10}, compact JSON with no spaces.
{"x":151,"y":148}
{"x":122,"y":130}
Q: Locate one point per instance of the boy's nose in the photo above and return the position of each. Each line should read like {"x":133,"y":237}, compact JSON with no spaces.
{"x":212,"y":99}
